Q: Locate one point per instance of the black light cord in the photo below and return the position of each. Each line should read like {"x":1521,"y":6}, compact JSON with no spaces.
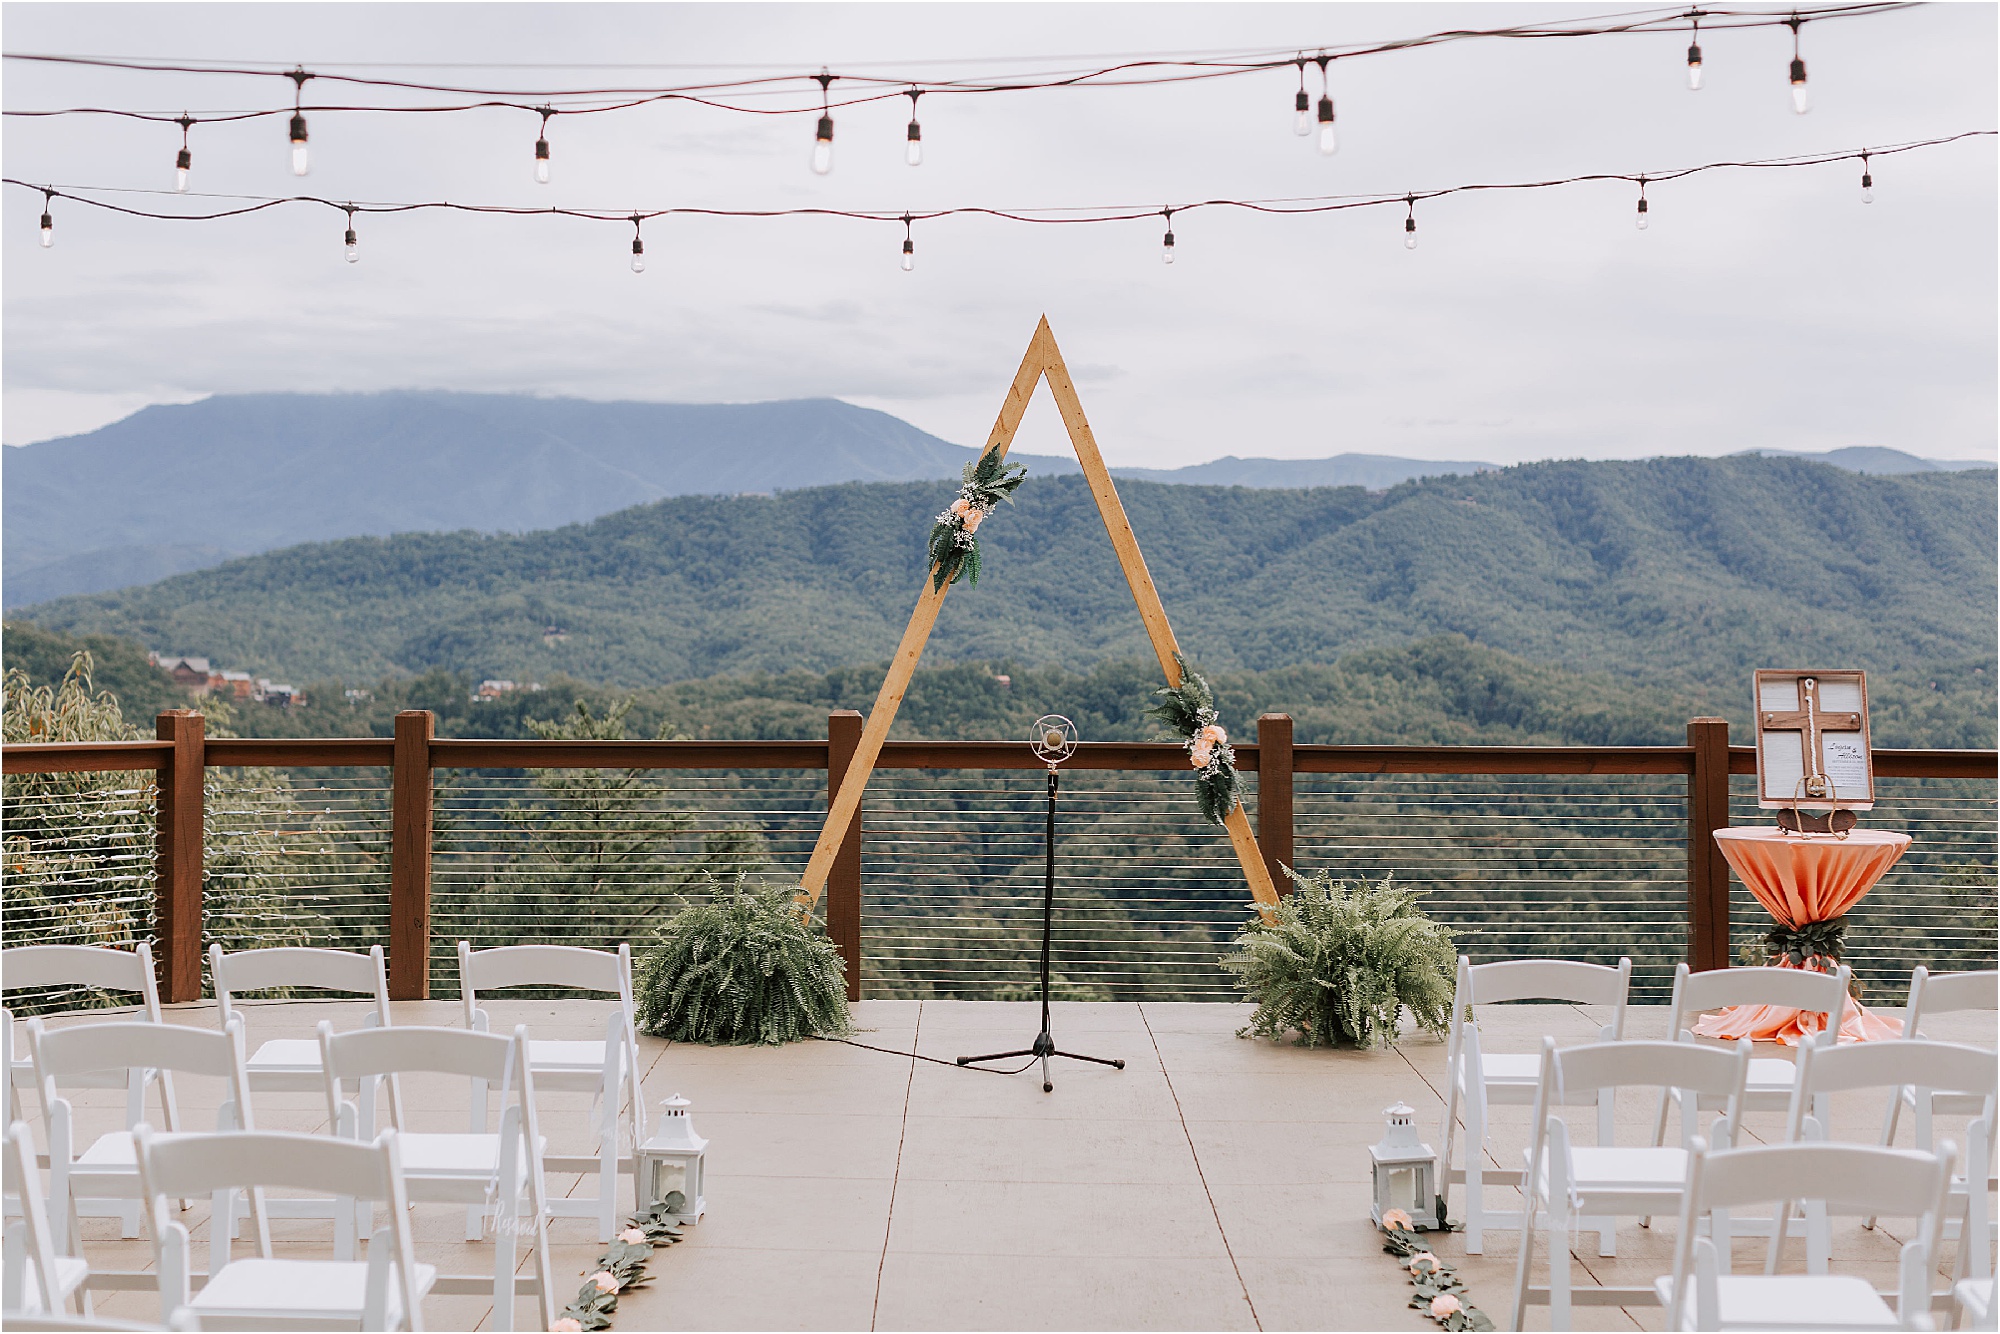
{"x":919,"y":1056}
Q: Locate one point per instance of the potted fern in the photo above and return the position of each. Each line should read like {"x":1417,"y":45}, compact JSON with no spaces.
{"x":746,"y":965}
{"x":1337,"y":962}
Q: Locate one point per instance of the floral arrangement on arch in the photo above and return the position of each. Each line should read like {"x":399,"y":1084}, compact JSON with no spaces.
{"x":954,"y":546}
{"x":1189,"y":709}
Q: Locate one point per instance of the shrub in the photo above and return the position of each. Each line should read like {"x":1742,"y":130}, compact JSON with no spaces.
{"x":746,"y":965}
{"x":1337,"y":963}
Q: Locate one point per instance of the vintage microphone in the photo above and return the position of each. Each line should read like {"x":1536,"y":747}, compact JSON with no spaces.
{"x":1054,"y":740}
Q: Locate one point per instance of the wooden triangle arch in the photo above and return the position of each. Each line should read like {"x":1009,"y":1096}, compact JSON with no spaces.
{"x":1043,"y":361}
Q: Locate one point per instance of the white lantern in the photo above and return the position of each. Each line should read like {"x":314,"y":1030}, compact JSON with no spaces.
{"x":672,"y":1158}
{"x":1405,"y":1171}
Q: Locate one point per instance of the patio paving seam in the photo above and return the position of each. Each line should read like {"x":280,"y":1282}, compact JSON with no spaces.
{"x":1203,"y":1176}
{"x":895,"y":1177}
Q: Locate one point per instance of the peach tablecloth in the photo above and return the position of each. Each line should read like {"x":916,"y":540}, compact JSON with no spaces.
{"x":1805,"y":878}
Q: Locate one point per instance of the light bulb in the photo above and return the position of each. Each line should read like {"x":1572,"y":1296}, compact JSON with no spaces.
{"x":298,"y":145}
{"x":48,"y":231}
{"x":1409,"y":233}
{"x":909,"y":255}
{"x":638,"y":255}
{"x":1304,"y":124}
{"x":1801,"y":100}
{"x":1694,"y":68}
{"x":1328,"y":144}
{"x":1867,"y":188}
{"x":353,"y":248}
{"x":822,"y":159}
{"x":1642,"y":215}
{"x":541,"y":162}
{"x":181,"y":165}
{"x":1167,"y":249}
{"x":914,"y":152}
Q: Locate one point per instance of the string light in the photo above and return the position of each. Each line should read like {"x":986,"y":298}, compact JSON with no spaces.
{"x":638,"y":246}
{"x":914,"y":152}
{"x":353,"y":246}
{"x":909,"y":246}
{"x":1642,"y":203}
{"x":1328,"y":144}
{"x":542,"y":149}
{"x":1801,"y":100}
{"x":1867,"y":182}
{"x":1302,"y":105}
{"x":48,"y":219}
{"x":822,"y":158}
{"x":298,"y":78}
{"x":1694,"y":53}
{"x":236,"y":206}
{"x":184,"y":159}
{"x":1167,"y":246}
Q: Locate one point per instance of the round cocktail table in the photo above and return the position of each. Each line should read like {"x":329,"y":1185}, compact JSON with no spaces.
{"x":1805,"y":879}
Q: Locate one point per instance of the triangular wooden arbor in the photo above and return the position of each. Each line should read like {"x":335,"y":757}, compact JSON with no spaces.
{"x":1043,"y":361}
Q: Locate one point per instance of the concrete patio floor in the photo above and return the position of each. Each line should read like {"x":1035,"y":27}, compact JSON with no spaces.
{"x":1214,"y":1183}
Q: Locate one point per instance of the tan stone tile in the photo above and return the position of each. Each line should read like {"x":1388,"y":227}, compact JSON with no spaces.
{"x":713,"y":1288}
{"x":1052,"y":1218}
{"x":826,"y":1144}
{"x":1254,"y":1153}
{"x":1059,"y":1292}
{"x":1082,"y":1090}
{"x":1024,"y":1149}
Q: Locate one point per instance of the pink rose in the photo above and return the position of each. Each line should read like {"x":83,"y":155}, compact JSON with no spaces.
{"x":1444,"y":1304}
{"x":567,"y":1325}
{"x":605,"y":1280}
{"x":632,"y":1236}
{"x":1396,"y":1218}
{"x":1423,"y":1262}
{"x":961,"y":507}
{"x":1201,"y":754}
{"x":1213,"y":734}
{"x":971,"y":520}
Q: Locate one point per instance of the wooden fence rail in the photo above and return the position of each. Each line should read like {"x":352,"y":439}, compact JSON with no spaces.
{"x":182,"y":752}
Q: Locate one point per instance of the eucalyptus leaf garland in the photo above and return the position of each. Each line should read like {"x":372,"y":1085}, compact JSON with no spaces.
{"x":622,"y":1267}
{"x":1439,"y":1292}
{"x":954,"y":546}
{"x":1189,"y":709}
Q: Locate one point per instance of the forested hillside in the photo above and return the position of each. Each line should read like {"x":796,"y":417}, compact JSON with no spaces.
{"x":1677,"y":573}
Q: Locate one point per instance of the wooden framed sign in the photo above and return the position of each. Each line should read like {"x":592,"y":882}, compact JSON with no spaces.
{"x":1812,"y":741}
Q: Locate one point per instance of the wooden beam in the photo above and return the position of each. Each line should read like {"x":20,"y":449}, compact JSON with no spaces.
{"x":843,"y":886}
{"x":1274,"y":795}
{"x":410,"y":857}
{"x":178,"y":853}
{"x":840,"y":812}
{"x":1707,"y":871}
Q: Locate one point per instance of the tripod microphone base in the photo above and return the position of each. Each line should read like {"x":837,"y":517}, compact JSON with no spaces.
{"x":1045,"y":1047}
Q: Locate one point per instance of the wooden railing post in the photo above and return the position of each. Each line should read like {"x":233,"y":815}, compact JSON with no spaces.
{"x":1274,"y":796}
{"x":843,"y":883}
{"x":410,"y":857}
{"x":177,"y":849}
{"x":1708,"y":873}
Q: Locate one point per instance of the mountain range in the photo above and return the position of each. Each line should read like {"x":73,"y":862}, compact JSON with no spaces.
{"x":1685,"y":569}
{"x":185,"y":487}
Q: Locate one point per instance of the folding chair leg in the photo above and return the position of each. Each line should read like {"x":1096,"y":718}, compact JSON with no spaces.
{"x":1558,"y":1244}
{"x":506,"y":1222}
{"x":1523,"y":1264}
{"x":1475,"y":1203}
{"x":607,"y":1179}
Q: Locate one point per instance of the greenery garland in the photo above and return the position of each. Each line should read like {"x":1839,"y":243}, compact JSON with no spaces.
{"x":622,"y":1267}
{"x":1816,"y":944}
{"x":1440,"y":1293}
{"x":954,"y":549}
{"x":1190,"y":710}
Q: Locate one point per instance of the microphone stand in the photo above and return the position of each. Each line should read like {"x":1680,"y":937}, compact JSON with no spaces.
{"x":1045,"y":1045}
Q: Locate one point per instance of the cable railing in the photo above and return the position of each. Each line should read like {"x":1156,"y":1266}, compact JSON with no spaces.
{"x":417,"y":842}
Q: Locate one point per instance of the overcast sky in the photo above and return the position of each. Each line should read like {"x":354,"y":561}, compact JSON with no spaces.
{"x":1761,"y":308}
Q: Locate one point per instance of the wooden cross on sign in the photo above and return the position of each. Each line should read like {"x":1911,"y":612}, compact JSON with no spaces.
{"x":1812,"y":740}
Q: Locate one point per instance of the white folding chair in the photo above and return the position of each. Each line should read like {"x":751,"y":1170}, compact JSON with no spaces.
{"x":1771,"y":1078}
{"x":1701,"y":1293}
{"x":109,"y":1168}
{"x":37,"y":1279}
{"x":291,"y":1065}
{"x":1572,"y":1184}
{"x":498,"y":1174}
{"x":1932,"y":1071}
{"x":38,"y":967}
{"x":1476,"y":1079}
{"x":1930,"y":994}
{"x":607,"y":1067}
{"x":1972,"y":1300}
{"x":383,"y":1292}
